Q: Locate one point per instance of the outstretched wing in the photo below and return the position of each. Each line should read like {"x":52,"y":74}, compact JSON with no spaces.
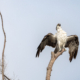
{"x":72,"y":44}
{"x":49,"y":40}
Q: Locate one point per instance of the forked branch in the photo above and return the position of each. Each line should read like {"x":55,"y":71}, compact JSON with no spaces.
{"x":53,"y":58}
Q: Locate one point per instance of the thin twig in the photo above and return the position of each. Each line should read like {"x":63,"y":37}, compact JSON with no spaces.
{"x":53,"y":58}
{"x":6,"y":77}
{"x":3,"y":48}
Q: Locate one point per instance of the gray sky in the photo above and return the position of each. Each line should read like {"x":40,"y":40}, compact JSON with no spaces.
{"x":26,"y":22}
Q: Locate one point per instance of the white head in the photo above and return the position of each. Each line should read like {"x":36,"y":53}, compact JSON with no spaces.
{"x":58,"y":26}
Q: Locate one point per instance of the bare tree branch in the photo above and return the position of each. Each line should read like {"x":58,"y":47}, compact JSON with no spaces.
{"x":1,"y":66}
{"x":3,"y":48}
{"x":6,"y":77}
{"x":53,"y":58}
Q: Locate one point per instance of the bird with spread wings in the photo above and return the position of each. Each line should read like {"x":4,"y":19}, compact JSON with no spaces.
{"x":70,"y":42}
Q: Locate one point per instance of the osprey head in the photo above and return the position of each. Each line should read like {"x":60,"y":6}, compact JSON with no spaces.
{"x":58,"y":26}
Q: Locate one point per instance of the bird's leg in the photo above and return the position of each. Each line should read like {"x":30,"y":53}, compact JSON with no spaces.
{"x":64,"y":47}
{"x":59,"y":46}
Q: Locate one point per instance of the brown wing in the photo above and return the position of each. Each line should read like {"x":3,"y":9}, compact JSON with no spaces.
{"x":49,"y":40}
{"x":72,"y":44}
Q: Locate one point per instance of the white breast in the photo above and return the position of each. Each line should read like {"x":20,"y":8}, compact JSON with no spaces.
{"x":61,"y":36}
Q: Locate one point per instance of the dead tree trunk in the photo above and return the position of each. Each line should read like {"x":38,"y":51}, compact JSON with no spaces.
{"x":53,"y":58}
{"x":3,"y":48}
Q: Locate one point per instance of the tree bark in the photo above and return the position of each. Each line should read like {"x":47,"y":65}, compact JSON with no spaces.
{"x":3,"y":48}
{"x":53,"y":58}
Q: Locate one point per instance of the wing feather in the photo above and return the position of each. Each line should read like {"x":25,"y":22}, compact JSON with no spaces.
{"x":72,"y":44}
{"x":49,"y":40}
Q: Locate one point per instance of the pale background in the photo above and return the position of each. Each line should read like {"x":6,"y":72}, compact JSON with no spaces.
{"x":26,"y":22}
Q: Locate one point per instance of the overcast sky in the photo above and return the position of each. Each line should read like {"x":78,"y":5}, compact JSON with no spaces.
{"x":26,"y":22}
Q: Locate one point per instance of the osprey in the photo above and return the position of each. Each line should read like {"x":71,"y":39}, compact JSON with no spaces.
{"x":59,"y":41}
